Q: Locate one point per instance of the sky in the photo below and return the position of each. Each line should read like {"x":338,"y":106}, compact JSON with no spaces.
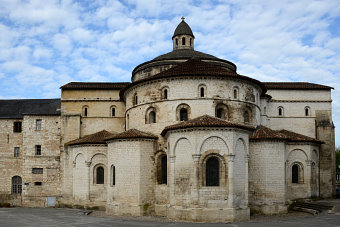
{"x":45,"y":44}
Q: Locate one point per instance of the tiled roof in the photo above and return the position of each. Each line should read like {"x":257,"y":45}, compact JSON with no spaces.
{"x":205,"y":121}
{"x":296,"y":137}
{"x":16,"y":108}
{"x":195,"y":67}
{"x":132,"y":134}
{"x":96,"y":138}
{"x":94,"y":85}
{"x":295,"y":86}
{"x":264,"y":133}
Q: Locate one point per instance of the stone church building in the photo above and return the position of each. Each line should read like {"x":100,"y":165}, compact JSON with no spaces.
{"x":189,"y":138}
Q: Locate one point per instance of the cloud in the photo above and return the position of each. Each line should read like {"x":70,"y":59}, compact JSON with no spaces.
{"x":50,"y":43}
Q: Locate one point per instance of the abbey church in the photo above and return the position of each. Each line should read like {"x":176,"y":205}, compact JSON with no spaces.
{"x":188,"y":138}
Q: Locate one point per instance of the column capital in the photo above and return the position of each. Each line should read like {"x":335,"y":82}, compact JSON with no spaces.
{"x":74,"y":164}
{"x":172,"y":159}
{"x":246,"y":158}
{"x":196,"y":157}
{"x":231,"y":157}
{"x":309,"y":162}
{"x":88,"y":164}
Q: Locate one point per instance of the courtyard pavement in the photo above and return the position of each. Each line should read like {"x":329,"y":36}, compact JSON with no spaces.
{"x":72,"y":217}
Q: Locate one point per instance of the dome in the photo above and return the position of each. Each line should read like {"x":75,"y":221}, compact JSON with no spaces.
{"x":183,"y":29}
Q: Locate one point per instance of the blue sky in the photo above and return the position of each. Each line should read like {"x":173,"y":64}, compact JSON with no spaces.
{"x":45,"y":44}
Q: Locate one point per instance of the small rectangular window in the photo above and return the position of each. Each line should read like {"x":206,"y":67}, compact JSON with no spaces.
{"x":16,"y":152}
{"x":38,"y":124}
{"x":38,"y":183}
{"x":37,"y":149}
{"x":37,"y":170}
{"x":17,"y":127}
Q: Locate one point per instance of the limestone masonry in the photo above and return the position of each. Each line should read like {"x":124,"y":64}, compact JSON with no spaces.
{"x":188,"y":138}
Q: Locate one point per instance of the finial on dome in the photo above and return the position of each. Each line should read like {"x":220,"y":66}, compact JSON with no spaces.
{"x":183,"y":18}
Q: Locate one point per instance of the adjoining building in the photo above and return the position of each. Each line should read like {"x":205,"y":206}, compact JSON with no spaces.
{"x":189,"y":138}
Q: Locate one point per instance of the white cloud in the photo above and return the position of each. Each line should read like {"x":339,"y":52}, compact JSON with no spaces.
{"x":49,"y":43}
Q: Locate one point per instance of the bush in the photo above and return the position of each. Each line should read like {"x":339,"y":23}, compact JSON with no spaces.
{"x":5,"y":204}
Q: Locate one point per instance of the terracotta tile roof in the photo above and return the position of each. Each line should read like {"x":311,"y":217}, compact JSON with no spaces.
{"x":132,"y":134}
{"x":94,"y":85}
{"x":296,"y":137}
{"x":205,"y":121}
{"x":264,"y":133}
{"x":195,"y":67}
{"x":96,"y":138}
{"x":295,"y":86}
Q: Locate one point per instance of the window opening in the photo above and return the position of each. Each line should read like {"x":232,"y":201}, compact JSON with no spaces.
{"x":37,"y":149}
{"x":165,"y":94}
{"x":17,"y":127}
{"x":113,"y":112}
{"x":113,"y":175}
{"x":295,"y":173}
{"x":16,"y":152}
{"x":37,"y":170}
{"x":176,"y":41}
{"x":38,"y":183}
{"x":212,"y":172}
{"x":190,"y":41}
{"x":202,"y":91}
{"x":307,"y":113}
{"x":16,"y":185}
{"x":246,"y":117}
{"x":38,"y":124}
{"x":183,"y":114}
{"x":152,"y":117}
{"x":280,"y":111}
{"x":183,"y":41}
{"x":100,"y":175}
{"x":235,"y":93}
{"x":85,"y":112}
{"x":164,"y":170}
{"x":219,"y":113}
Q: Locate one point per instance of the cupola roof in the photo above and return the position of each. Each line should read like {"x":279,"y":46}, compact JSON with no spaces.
{"x":183,"y":29}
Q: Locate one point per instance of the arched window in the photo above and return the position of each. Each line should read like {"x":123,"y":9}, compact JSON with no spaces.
{"x":135,"y":100}
{"x":85,"y":111}
{"x":190,"y":41}
{"x":113,"y":111}
{"x":280,"y":111}
{"x":113,"y":172}
{"x":183,"y":41}
{"x":221,"y":111}
{"x":202,"y":90}
{"x":307,"y":111}
{"x":165,"y":92}
{"x":176,"y":41}
{"x":295,"y":174}
{"x":183,"y":114}
{"x":16,"y":185}
{"x":152,"y":117}
{"x":212,"y":170}
{"x":246,"y":116}
{"x":100,"y":175}
{"x":235,"y":93}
